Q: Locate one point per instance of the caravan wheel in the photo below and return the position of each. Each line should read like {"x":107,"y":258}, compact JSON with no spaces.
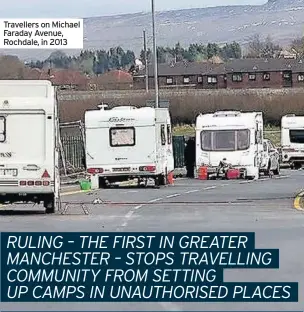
{"x":277,"y":170}
{"x":160,"y":180}
{"x":49,"y":205}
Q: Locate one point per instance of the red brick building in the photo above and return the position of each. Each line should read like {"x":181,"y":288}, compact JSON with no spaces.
{"x":179,"y":75}
{"x":236,"y":74}
{"x":264,"y":73}
{"x":112,"y":80}
{"x":64,"y":79}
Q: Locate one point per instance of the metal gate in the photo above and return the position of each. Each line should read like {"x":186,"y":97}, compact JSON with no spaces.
{"x":178,"y":151}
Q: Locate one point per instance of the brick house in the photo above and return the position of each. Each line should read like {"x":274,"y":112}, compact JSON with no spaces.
{"x":180,"y":75}
{"x":265,"y":73}
{"x":66,"y":79}
{"x":236,"y":74}
{"x":112,"y":80}
{"x":215,"y":77}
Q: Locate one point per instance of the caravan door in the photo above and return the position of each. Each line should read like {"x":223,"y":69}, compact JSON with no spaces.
{"x":162,"y":154}
{"x":170,"y":156}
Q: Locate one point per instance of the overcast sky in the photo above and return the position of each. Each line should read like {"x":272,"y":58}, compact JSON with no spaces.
{"x":88,"y":8}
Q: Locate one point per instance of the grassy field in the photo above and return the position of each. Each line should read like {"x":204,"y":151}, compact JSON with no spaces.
{"x":271,"y":133}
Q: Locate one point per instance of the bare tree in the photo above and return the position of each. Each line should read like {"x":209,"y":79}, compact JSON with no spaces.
{"x":259,"y":48}
{"x":11,"y":68}
{"x":255,"y":47}
{"x":297,"y":47}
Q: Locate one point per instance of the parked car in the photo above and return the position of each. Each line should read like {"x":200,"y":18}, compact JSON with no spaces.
{"x":271,"y":158}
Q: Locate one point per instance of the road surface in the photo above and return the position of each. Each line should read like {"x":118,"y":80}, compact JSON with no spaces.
{"x":264,"y":206}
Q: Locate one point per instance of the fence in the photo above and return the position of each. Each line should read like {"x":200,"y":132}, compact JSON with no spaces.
{"x":73,"y":152}
{"x":73,"y":148}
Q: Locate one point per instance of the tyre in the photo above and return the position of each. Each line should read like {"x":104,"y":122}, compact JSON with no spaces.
{"x":297,"y":166}
{"x":49,"y":205}
{"x":163,"y":180}
{"x":267,"y":171}
{"x":277,"y":170}
{"x":103,"y":183}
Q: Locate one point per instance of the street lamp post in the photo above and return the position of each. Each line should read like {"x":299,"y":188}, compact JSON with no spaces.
{"x":155,"y":56}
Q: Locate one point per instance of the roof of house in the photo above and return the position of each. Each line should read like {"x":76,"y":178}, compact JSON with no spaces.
{"x":239,"y":65}
{"x":32,"y":73}
{"x":113,"y":76}
{"x":64,"y":77}
{"x":179,"y":68}
{"x":260,"y":65}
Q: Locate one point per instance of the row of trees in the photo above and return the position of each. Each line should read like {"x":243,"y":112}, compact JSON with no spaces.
{"x":195,"y":52}
{"x":101,"y":61}
{"x":89,"y":62}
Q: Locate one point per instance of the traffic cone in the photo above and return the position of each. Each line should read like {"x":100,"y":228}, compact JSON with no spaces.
{"x":203,"y":173}
{"x":170,"y":178}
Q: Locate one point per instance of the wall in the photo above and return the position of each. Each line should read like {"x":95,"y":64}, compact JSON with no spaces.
{"x":121,"y":94}
{"x":274,"y":82}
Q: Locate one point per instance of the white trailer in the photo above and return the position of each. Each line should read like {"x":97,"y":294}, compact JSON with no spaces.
{"x":29,"y":168}
{"x":233,"y":137}
{"x":292,"y":140}
{"x":126,"y":142}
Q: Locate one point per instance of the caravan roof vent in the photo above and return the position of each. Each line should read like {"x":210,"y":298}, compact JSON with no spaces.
{"x":290,"y":115}
{"x":103,"y":106}
{"x":226,"y":114}
{"x":124,"y":107}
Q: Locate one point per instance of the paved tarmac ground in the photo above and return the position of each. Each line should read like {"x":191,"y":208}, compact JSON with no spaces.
{"x":264,"y":206}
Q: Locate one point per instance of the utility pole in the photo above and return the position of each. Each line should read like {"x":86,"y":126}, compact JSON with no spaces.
{"x":155,"y":56}
{"x":146,"y":62}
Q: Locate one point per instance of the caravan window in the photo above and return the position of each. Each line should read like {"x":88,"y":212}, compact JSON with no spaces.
{"x":163,"y":135}
{"x":296,"y":136}
{"x":225,"y":140}
{"x":2,"y":129}
{"x":122,"y":136}
{"x":169,"y":134}
{"x":265,"y":147}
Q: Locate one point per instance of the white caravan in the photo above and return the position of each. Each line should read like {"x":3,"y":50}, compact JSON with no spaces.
{"x":231,"y":135}
{"x":29,"y":168}
{"x":126,"y":142}
{"x":292,"y":140}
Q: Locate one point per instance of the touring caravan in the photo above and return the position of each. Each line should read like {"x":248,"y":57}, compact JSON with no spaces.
{"x":29,"y":150}
{"x":126,"y":142}
{"x":233,"y":137}
{"x":292,"y":140}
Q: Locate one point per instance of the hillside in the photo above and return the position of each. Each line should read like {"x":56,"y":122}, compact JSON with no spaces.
{"x":282,"y":19}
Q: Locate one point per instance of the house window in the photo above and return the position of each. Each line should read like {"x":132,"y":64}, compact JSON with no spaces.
{"x":200,"y":79}
{"x":163,"y":135}
{"x":237,"y":77}
{"x":287,"y":76}
{"x":252,"y":77}
{"x":301,"y":77}
{"x":169,"y":80}
{"x":2,"y":129}
{"x":266,"y":76}
{"x":186,"y":80}
{"x":211,"y":79}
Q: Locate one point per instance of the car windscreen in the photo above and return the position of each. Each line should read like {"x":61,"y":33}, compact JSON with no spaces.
{"x":296,"y":136}
{"x":225,"y":140}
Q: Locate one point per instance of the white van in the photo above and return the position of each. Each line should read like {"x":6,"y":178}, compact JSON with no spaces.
{"x":292,"y":140}
{"x":126,"y":142}
{"x":232,"y":136}
{"x":29,"y":167}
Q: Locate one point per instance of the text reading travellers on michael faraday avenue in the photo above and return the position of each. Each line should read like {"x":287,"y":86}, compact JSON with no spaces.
{"x":41,"y":33}
{"x":186,"y":267}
